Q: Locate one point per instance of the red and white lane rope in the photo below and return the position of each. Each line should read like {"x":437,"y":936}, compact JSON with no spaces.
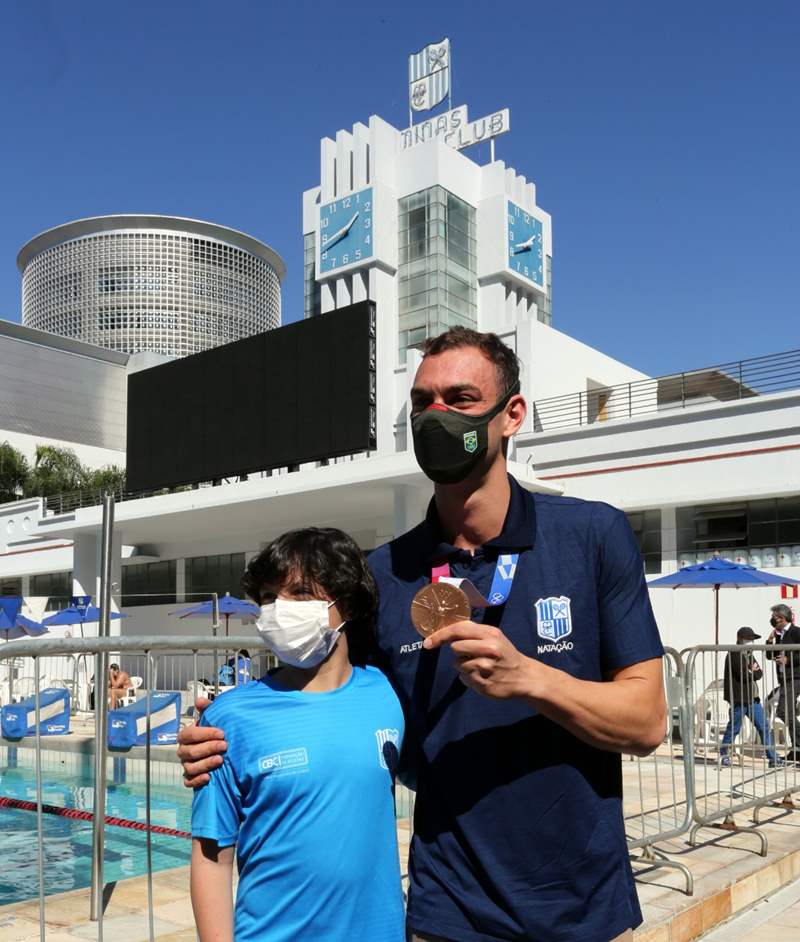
{"x":80,"y":815}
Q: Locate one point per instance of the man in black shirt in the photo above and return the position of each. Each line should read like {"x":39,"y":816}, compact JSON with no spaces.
{"x":740,"y":689}
{"x":787,"y":669}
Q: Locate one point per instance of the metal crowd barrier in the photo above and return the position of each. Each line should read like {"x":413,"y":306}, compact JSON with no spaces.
{"x":190,"y":658}
{"x":681,"y":788}
{"x":728,"y":778}
{"x":659,"y":807}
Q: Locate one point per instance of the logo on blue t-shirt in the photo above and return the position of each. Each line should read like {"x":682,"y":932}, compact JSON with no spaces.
{"x":387,"y":740}
{"x":553,"y":618}
{"x":290,"y":761}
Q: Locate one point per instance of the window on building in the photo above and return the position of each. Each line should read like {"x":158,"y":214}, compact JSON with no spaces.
{"x":56,"y":587}
{"x":646,"y":525}
{"x":220,"y":574}
{"x":763,"y":532}
{"x":149,"y":584}
{"x":437,"y":283}
{"x":10,"y":586}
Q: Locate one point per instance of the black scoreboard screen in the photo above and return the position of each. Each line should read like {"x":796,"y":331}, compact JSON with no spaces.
{"x":303,"y":392}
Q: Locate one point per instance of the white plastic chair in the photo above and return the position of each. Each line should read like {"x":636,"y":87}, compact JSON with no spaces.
{"x":710,"y":718}
{"x":194,"y":689}
{"x":130,"y":693}
{"x":23,"y":688}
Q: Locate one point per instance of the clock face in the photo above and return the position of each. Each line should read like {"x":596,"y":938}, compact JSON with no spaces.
{"x":525,"y":249}
{"x":345,"y":231}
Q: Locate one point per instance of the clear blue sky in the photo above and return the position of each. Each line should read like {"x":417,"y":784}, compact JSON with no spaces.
{"x":663,"y":138}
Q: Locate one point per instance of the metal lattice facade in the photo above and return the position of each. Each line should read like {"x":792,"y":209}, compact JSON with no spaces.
{"x":150,"y":283}
{"x":436,"y":277}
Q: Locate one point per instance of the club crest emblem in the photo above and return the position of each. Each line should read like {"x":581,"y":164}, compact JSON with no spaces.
{"x":388,"y":748}
{"x":553,"y":618}
{"x":471,"y":442}
{"x":429,"y":76}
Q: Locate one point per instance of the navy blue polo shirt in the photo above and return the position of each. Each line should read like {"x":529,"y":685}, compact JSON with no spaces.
{"x":519,"y":832}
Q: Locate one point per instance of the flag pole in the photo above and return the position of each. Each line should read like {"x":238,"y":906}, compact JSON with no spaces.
{"x":450,"y":83}
{"x":410,"y":109}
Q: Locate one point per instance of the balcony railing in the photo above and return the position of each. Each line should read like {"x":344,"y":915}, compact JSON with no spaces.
{"x":742,"y":379}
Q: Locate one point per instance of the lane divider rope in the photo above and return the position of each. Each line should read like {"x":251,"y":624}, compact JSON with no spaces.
{"x":80,"y":815}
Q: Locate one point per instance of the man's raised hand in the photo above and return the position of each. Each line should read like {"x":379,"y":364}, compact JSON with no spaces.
{"x":486,"y":660}
{"x":200,"y":749}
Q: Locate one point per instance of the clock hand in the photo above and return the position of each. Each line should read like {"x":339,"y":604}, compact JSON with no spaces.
{"x":338,"y":236}
{"x":525,"y":246}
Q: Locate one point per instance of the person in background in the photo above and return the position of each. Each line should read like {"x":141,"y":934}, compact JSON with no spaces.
{"x":118,"y":682}
{"x":740,"y":690}
{"x":305,"y":795}
{"x":235,"y":665}
{"x":787,"y":669}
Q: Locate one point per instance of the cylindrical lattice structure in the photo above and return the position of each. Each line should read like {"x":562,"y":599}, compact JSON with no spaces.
{"x":150,"y":283}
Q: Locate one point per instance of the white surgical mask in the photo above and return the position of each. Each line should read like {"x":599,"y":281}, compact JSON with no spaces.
{"x":298,"y":632}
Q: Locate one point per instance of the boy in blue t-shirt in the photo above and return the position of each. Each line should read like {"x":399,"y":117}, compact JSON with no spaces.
{"x":305,"y":792}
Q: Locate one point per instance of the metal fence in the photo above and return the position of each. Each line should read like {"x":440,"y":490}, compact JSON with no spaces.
{"x":705,"y":774}
{"x":742,"y":379}
{"x":186,"y":660}
{"x":753,"y":767}
{"x":658,"y":807}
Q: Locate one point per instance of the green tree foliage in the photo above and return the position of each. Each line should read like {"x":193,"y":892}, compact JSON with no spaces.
{"x":55,"y":471}
{"x":14,"y":470}
{"x":59,"y":471}
{"x":110,"y":478}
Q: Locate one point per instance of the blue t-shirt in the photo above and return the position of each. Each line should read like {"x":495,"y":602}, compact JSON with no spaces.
{"x":519,"y":832}
{"x":306,"y":794}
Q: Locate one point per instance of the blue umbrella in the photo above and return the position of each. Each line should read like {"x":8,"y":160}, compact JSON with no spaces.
{"x":10,"y":606}
{"x":76,"y":616}
{"x":717,"y":572}
{"x":228,"y":605}
{"x":19,"y":626}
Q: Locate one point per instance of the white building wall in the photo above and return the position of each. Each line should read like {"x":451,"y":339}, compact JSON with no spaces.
{"x":702,"y":454}
{"x":559,"y":365}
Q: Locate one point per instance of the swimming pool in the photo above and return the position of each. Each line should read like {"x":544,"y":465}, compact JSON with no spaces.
{"x":68,"y":843}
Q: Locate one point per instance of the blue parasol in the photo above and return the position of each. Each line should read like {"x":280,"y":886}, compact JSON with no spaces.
{"x":718,"y":572}
{"x":13,"y":625}
{"x":229,"y":606}
{"x":78,"y":616}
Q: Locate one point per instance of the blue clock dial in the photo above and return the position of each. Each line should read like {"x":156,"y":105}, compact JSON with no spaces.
{"x":345,"y":231}
{"x":525,"y":248}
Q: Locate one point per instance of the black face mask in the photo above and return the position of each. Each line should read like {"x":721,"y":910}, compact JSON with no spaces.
{"x":773,"y":621}
{"x":449,"y":444}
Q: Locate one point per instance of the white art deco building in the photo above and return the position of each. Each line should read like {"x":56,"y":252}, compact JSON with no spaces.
{"x":160,"y":284}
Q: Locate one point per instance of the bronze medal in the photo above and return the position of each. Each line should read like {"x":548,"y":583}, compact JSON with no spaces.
{"x":437,"y":605}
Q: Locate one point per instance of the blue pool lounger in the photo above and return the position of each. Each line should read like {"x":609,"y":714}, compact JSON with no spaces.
{"x":19,"y":719}
{"x":128,"y":725}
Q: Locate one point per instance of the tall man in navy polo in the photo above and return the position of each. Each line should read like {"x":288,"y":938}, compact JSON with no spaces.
{"x":515,"y":719}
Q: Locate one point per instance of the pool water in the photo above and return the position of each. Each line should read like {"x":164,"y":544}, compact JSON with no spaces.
{"x":68,"y":843}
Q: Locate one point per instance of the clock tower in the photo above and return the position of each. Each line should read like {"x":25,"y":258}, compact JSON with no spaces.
{"x":406,"y":219}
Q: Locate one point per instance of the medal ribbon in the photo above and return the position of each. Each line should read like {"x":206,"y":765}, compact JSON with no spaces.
{"x":502,"y":580}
